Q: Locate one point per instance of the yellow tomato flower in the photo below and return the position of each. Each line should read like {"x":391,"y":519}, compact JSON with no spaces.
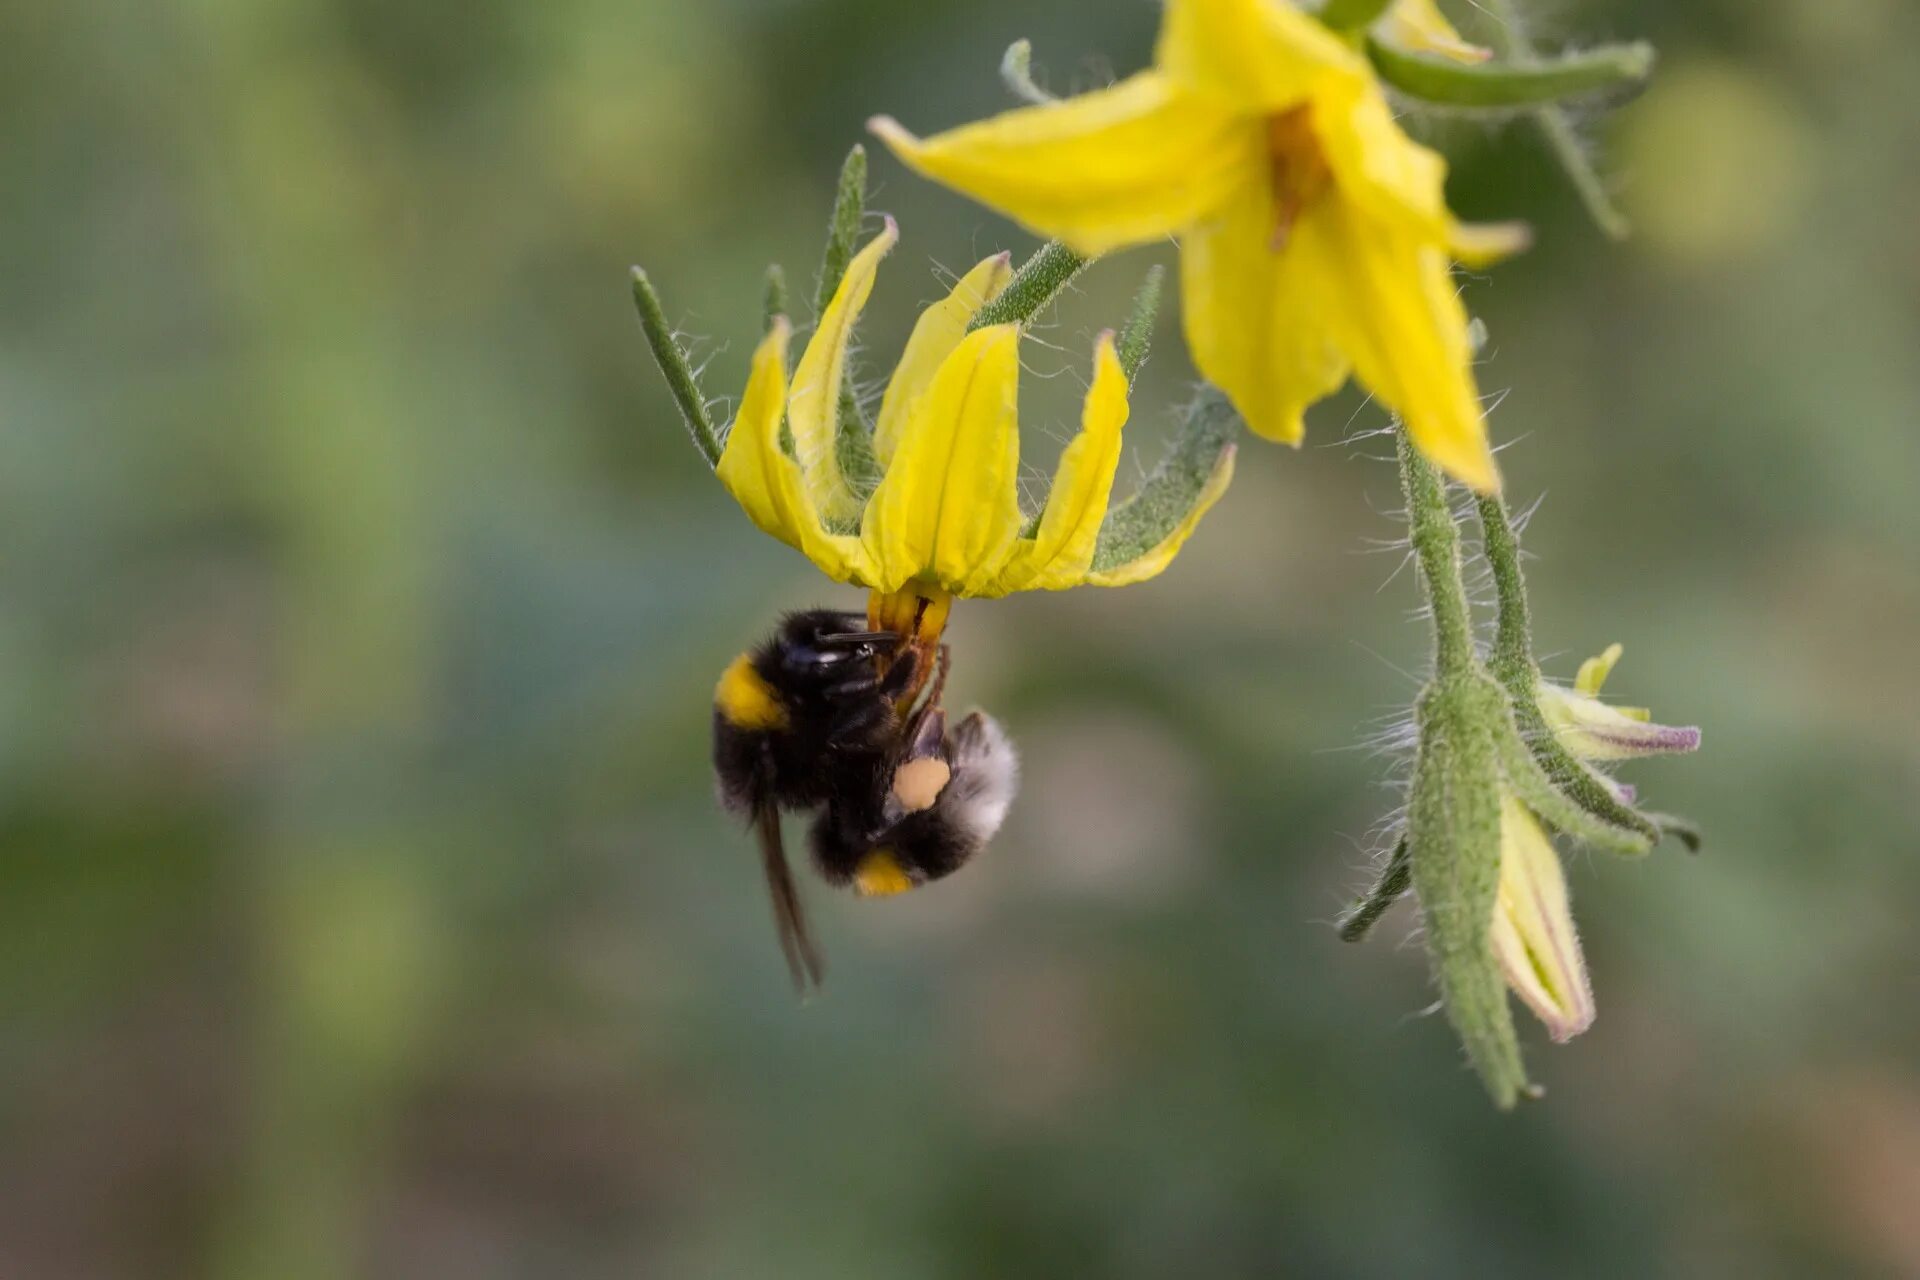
{"x":1599,"y":731}
{"x":1315,"y":235}
{"x":1533,"y":934}
{"x":945,"y":518}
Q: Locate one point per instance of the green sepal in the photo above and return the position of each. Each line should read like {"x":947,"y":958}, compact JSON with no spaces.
{"x":1200,"y":447}
{"x":1352,"y":15}
{"x":1685,"y":830}
{"x":1392,"y":885}
{"x":676,"y":368}
{"x":1511,"y":661}
{"x":1016,"y":72}
{"x":843,"y":228}
{"x":773,"y":302}
{"x":1535,"y":789}
{"x":1038,"y":281}
{"x":1136,"y":338}
{"x":1444,"y":82}
{"x":1506,"y":34}
{"x":1453,"y":838}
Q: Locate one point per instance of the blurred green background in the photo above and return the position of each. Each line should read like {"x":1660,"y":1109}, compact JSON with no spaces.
{"x":364,"y":910}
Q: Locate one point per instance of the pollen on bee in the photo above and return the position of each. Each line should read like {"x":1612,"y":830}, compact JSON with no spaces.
{"x":918,"y":783}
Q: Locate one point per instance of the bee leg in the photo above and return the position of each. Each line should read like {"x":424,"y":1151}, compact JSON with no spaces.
{"x":854,"y":687}
{"x":878,"y":639}
{"x":858,"y":717}
{"x":943,"y":659}
{"x":900,"y":674}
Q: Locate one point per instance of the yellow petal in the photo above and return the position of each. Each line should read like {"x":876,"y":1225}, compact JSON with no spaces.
{"x":1061,"y":550}
{"x":1389,"y":302}
{"x":1595,"y":670}
{"x":1118,"y":166}
{"x":1395,"y":179}
{"x":1259,"y":56}
{"x":1533,"y":933}
{"x":762,"y":478}
{"x":1150,"y":564}
{"x":948,"y":509}
{"x":1375,"y":164}
{"x":1481,"y":244}
{"x":813,"y":407}
{"x":935,"y":335}
{"x":1253,"y":324}
{"x":1419,"y":27}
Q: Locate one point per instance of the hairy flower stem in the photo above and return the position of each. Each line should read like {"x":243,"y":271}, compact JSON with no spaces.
{"x":1453,"y":808}
{"x":1511,"y":662}
{"x":1436,"y":544}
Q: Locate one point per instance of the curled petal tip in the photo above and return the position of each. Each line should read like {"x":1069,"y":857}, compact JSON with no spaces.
{"x":891,"y":131}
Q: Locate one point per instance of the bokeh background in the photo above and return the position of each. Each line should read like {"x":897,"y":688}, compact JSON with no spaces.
{"x":364,"y":910}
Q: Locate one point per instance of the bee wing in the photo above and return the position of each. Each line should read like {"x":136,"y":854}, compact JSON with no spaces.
{"x":789,"y":917}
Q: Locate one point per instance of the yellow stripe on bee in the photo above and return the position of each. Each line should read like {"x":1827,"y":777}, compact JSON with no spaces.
{"x":746,"y":699}
{"x":879,"y":876}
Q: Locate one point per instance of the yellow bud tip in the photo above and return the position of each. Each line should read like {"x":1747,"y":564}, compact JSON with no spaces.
{"x":880,"y":876}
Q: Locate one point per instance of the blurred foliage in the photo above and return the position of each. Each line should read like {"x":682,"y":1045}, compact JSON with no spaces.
{"x":365,"y":911}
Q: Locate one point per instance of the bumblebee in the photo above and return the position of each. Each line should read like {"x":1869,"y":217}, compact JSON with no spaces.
{"x":831,"y":717}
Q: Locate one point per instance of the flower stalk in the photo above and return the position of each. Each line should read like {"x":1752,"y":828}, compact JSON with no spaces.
{"x":1512,"y":663}
{"x":1491,"y":781}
